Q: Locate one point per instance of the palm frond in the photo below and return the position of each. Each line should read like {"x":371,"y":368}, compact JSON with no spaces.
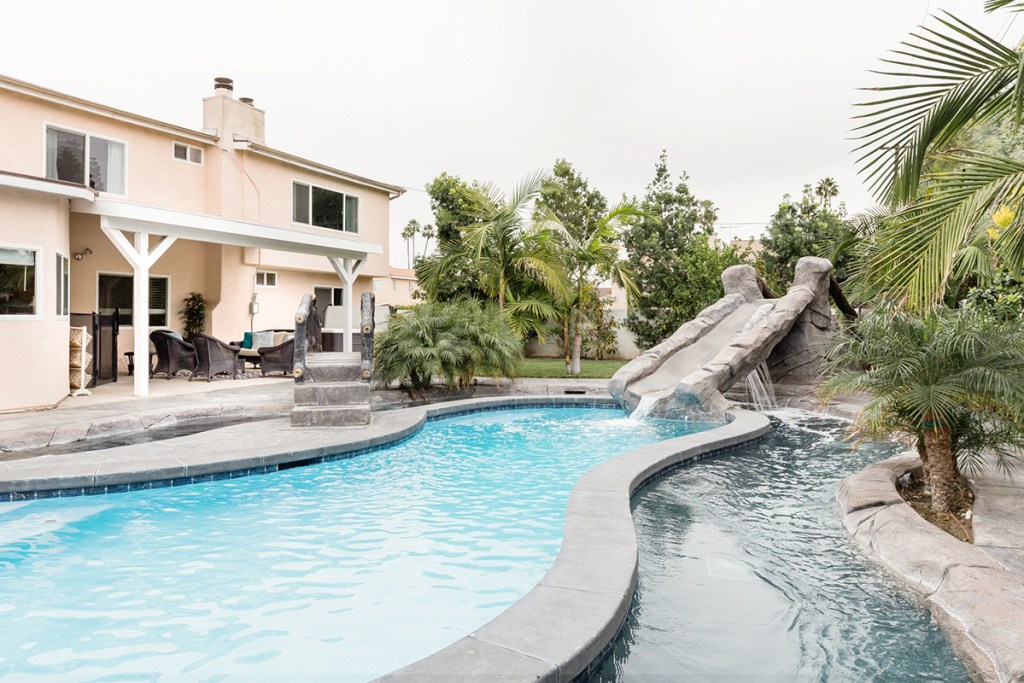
{"x":955,"y":77}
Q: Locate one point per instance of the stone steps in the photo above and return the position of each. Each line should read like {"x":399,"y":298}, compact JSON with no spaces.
{"x":332,"y":395}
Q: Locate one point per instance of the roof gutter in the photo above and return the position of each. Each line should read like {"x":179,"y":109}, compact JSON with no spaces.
{"x":40,"y":93}
{"x":244,"y":144}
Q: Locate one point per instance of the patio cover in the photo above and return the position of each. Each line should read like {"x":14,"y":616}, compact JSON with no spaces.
{"x":117,"y":218}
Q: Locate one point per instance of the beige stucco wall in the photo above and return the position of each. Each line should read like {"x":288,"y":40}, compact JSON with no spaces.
{"x":34,"y":353}
{"x":152,"y":174}
{"x":231,"y":183}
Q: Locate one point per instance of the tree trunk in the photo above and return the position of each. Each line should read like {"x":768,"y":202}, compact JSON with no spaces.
{"x":938,"y":442}
{"x":922,"y":453}
{"x":565,"y":346}
{"x":577,"y":346}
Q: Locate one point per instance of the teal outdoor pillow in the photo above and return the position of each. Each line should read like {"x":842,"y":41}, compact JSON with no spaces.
{"x":247,"y":340}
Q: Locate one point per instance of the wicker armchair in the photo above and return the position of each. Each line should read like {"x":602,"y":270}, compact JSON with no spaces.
{"x":280,"y":358}
{"x":214,"y":357}
{"x":173,"y":354}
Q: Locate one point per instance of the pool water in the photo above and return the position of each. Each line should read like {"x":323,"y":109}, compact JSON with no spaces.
{"x":746,"y":574}
{"x":346,"y":569}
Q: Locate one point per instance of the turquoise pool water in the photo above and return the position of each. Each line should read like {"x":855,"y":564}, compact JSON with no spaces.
{"x":347,"y":569}
{"x":746,"y":574}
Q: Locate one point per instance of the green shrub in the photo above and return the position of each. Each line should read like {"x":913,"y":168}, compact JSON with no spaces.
{"x":452,"y":342}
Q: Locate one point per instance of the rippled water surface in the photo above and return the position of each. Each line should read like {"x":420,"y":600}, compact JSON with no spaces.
{"x":746,"y":574}
{"x":347,"y":569}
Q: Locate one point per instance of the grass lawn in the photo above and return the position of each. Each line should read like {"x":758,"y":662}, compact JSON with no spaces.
{"x":554,"y":368}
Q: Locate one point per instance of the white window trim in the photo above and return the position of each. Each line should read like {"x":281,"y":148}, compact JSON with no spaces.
{"x":265,"y":273}
{"x":131,"y":323}
{"x":60,"y":293}
{"x":310,"y":224}
{"x":332,"y":287}
{"x":40,"y":313}
{"x":188,"y":147}
{"x":88,"y":143}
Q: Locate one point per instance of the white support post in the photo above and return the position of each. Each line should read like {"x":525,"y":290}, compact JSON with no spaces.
{"x":140,"y":314}
{"x":348,"y":270}
{"x":141,"y":260}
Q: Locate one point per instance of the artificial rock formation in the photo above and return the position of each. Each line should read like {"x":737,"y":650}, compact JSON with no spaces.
{"x":787,"y":329}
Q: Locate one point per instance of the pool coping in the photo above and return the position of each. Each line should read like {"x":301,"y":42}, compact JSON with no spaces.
{"x":977,"y":602}
{"x":245,"y":449}
{"x":565,"y":624}
{"x":556,"y":633}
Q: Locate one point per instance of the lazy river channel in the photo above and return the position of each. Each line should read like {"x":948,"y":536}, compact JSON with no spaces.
{"x":746,"y":574}
{"x":347,"y":569}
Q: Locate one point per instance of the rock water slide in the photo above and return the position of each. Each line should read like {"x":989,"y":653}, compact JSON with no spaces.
{"x":686,"y":375}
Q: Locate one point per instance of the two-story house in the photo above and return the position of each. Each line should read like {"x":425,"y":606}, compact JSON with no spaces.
{"x":104,"y":210}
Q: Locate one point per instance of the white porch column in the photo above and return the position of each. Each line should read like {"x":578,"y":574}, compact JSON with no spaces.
{"x":140,"y":314}
{"x":348,"y":270}
{"x":141,"y":260}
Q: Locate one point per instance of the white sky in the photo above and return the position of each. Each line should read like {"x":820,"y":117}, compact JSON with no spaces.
{"x":751,"y":98}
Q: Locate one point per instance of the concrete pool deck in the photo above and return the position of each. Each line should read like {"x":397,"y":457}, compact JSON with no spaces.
{"x":563,"y":624}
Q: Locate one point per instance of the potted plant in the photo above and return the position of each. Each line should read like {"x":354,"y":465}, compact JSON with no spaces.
{"x":193,"y":314}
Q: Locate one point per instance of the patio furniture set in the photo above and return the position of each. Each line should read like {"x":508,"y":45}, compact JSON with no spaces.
{"x":207,"y":356}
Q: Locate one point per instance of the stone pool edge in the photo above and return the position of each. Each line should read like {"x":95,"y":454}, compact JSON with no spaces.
{"x":976,"y":601}
{"x":229,"y":452}
{"x":563,"y":626}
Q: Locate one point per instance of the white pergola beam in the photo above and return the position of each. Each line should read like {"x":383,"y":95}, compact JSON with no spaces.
{"x":348,"y":270}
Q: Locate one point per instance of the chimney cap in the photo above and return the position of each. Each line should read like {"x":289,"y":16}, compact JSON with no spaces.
{"x":222,"y":82}
{"x":246,"y":100}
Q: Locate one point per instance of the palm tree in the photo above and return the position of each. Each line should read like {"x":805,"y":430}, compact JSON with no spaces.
{"x":506,"y":243}
{"x":590,"y":255}
{"x":950,"y":78}
{"x":951,"y":381}
{"x":827,"y":189}
{"x":409,"y":234}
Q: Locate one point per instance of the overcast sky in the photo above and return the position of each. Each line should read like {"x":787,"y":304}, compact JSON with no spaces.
{"x":751,"y":98}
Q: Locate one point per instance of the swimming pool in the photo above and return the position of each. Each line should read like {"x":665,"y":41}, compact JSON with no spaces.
{"x":349,"y":569}
{"x":744,"y":569}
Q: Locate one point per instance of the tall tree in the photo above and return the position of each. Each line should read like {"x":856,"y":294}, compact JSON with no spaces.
{"x":588,"y":245}
{"x":675,"y":263}
{"x":409,"y":233}
{"x":797,"y":229}
{"x":504,"y":242}
{"x":827,"y":189}
{"x":449,"y":274}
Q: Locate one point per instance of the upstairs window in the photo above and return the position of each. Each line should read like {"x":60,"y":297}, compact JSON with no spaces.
{"x":324,"y":208}
{"x":188,"y":153}
{"x":85,"y":159}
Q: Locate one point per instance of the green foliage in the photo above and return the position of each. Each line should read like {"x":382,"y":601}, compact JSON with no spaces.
{"x":452,"y":342}
{"x":675,"y":264}
{"x":570,"y":199}
{"x":597,"y":327}
{"x":941,"y":147}
{"x":1002,"y":299}
{"x":798,"y":229}
{"x":954,"y":378}
{"x":449,"y":274}
{"x":193,"y":314}
{"x":587,"y":246}
{"x":451,"y":206}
